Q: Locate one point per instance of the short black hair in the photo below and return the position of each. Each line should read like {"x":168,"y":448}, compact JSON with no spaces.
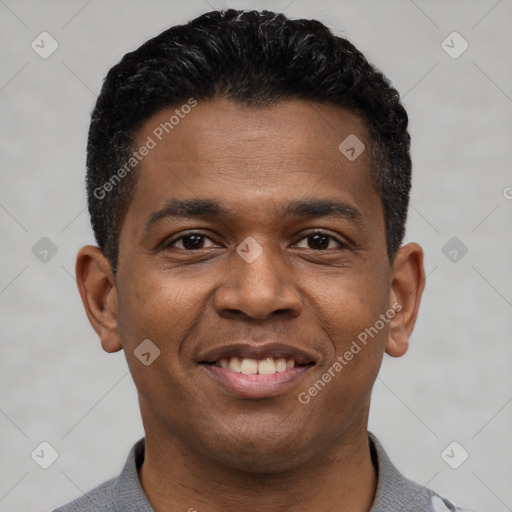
{"x":254,"y":58}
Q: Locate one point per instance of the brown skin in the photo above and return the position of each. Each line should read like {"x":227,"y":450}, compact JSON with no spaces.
{"x":206,"y":447}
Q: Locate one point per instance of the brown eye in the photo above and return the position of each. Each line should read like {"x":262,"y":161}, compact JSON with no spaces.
{"x":321,"y":241}
{"x":190,"y":242}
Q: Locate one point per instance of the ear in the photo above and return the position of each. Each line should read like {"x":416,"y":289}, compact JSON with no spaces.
{"x":407,"y":284}
{"x":96,"y":284}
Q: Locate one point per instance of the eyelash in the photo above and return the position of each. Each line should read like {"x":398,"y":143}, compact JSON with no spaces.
{"x":312,"y":233}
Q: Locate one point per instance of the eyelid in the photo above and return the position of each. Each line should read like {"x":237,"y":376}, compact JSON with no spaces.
{"x":168,"y":242}
{"x":326,"y":232}
{"x":316,"y":231}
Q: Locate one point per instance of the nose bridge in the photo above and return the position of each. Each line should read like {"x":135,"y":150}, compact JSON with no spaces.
{"x":258,"y":265}
{"x":258,"y":282}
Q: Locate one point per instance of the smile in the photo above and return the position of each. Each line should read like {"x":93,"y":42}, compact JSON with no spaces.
{"x":256,"y":371}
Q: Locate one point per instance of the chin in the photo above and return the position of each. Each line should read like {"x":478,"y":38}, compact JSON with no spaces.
{"x":257,"y":461}
{"x":258,"y":452}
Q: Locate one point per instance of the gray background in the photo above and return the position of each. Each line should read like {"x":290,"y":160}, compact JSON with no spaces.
{"x":455,"y":384}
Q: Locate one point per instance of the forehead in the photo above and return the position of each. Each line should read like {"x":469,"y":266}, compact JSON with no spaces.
{"x":243,"y":156}
{"x":299,"y":129}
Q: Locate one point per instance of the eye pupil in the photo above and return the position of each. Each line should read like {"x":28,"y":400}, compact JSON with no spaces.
{"x":191,"y":242}
{"x":320,"y":241}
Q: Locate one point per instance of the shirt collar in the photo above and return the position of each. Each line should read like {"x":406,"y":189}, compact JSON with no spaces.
{"x":128,"y":490}
{"x":394,"y":492}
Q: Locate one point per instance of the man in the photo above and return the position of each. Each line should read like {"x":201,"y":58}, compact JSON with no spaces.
{"x":248,"y":184}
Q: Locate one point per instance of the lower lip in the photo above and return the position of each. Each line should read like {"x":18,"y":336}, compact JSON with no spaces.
{"x":256,"y":385}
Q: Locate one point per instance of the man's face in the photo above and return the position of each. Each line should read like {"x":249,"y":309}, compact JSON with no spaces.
{"x":266,"y":272}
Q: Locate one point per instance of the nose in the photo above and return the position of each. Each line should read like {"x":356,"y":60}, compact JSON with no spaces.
{"x":258,"y":289}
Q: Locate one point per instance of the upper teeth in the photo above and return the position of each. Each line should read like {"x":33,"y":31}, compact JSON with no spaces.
{"x":248,"y":366}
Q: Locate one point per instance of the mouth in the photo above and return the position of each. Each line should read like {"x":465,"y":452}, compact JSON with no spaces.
{"x":260,"y":371}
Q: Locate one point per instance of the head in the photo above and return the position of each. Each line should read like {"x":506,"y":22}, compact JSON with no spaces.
{"x":248,"y":132}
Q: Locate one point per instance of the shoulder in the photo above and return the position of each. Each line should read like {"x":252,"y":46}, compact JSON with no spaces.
{"x":121,"y":494}
{"x":417,"y":498}
{"x":99,"y":499}
{"x":395,"y":492}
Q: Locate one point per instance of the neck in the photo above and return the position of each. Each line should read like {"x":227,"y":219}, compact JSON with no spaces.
{"x":175,"y":477}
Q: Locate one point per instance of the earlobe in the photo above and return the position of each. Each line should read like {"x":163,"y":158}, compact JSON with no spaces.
{"x":96,"y":284}
{"x":407,"y":284}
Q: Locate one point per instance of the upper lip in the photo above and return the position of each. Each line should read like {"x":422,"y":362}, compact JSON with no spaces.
{"x":257,"y":351}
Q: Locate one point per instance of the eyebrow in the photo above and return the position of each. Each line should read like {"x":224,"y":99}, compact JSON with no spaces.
{"x":315,"y":208}
{"x":188,"y":208}
{"x":207,"y":208}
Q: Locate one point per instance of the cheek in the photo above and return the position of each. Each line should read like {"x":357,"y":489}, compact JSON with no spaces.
{"x":163,"y":310}
{"x":157,"y":306}
{"x":350,"y":302}
{"x":167,"y":309}
{"x":348,"y":376}
{"x":349,"y":312}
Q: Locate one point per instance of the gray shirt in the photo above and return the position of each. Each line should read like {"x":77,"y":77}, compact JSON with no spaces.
{"x":394,"y":492}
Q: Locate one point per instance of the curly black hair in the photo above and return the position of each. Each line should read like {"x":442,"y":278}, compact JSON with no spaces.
{"x":255,"y":58}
